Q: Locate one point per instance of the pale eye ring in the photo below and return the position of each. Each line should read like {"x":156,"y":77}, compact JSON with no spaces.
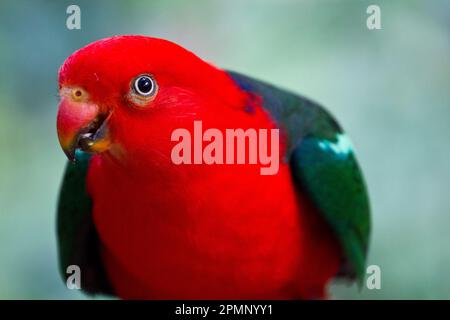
{"x":144,"y":85}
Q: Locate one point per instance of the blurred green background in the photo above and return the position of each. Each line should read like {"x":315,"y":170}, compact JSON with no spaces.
{"x":389,"y":88}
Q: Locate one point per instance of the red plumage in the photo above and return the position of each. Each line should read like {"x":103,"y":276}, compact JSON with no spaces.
{"x":192,"y":231}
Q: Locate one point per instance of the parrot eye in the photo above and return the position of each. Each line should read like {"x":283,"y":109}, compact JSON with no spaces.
{"x":143,"y":90}
{"x":144,"y":86}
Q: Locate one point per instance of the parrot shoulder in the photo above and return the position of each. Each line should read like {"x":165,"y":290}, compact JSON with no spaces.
{"x":323,"y":166}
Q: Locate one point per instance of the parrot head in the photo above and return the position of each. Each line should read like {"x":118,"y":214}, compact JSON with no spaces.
{"x":125,"y":94}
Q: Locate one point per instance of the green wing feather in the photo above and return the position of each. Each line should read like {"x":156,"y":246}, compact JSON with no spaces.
{"x":323,"y":165}
{"x":78,"y":242}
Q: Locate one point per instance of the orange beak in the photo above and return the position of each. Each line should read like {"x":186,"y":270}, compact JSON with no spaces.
{"x":81,"y":125}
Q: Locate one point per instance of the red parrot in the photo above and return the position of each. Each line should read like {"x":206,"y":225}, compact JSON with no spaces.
{"x":141,"y":226}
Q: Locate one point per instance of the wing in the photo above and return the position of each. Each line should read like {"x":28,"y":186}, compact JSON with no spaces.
{"x":323,"y":165}
{"x":78,"y":242}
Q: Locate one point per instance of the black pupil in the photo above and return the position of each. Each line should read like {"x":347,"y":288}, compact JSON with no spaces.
{"x":144,"y":85}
